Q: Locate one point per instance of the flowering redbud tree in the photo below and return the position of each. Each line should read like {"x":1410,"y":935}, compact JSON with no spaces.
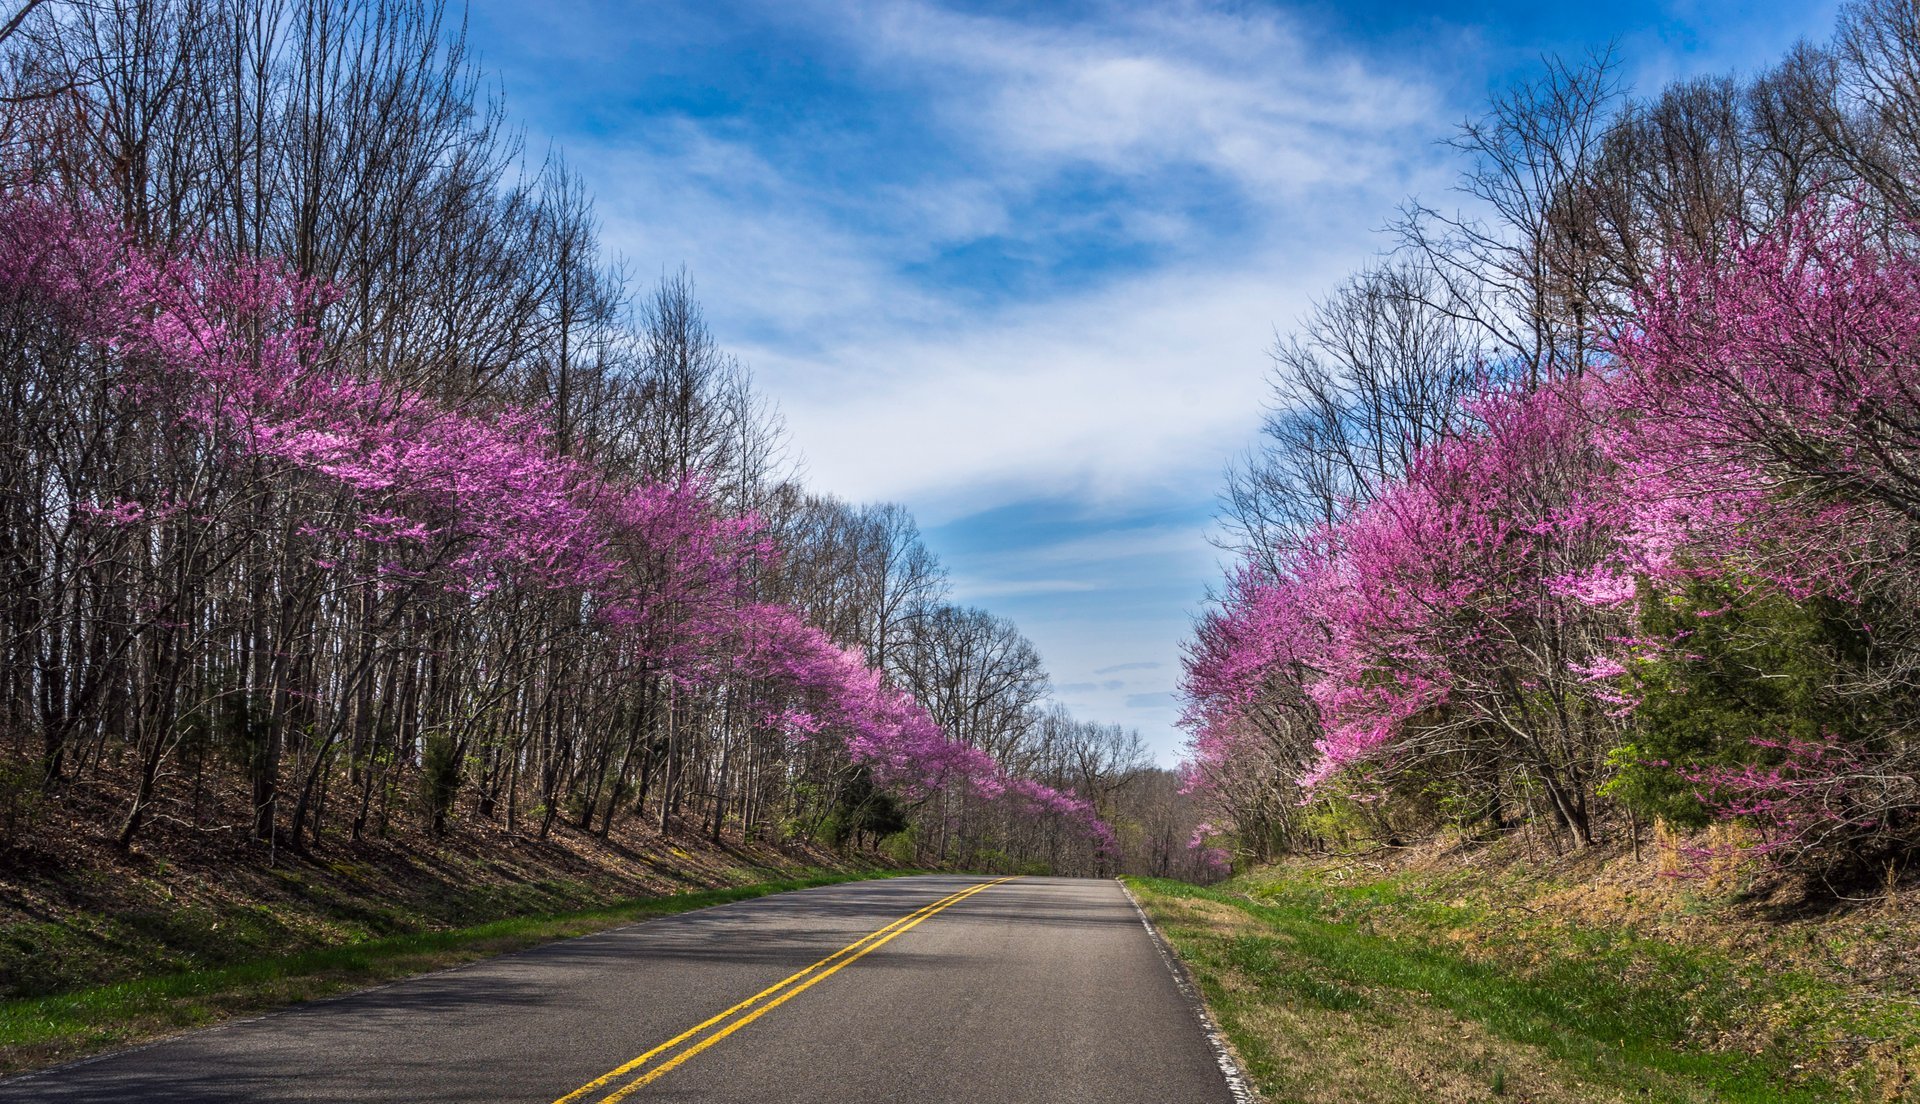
{"x":1677,"y":579}
{"x":337,"y":495}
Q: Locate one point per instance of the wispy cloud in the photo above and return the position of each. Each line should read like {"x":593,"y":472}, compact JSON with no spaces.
{"x":1249,"y":92}
{"x":1073,"y":293}
{"x":1157,"y":185}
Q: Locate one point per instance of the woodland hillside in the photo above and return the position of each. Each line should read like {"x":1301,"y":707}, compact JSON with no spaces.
{"x":353,"y":493}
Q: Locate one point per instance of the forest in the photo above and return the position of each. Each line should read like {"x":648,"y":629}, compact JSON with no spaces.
{"x":1589,"y":511}
{"x":354,"y":491}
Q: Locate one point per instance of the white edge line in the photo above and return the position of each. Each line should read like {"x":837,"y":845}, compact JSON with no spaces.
{"x":1237,"y":1083}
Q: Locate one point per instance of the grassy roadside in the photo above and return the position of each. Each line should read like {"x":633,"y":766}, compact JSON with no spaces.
{"x":1378,"y":994}
{"x":40,"y":1031}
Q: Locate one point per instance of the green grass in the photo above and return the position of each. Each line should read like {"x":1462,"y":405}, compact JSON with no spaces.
{"x":1683,"y":991}
{"x":38,"y":1030}
{"x":1590,"y":1006}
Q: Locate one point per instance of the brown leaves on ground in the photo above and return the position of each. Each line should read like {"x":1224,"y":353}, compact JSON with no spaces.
{"x":201,"y":893}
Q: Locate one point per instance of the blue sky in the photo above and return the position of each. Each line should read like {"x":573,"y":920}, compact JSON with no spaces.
{"x":1016,"y":265}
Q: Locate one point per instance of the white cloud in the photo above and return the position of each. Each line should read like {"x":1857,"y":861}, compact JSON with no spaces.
{"x":1137,"y":387}
{"x":1247,"y":92}
{"x":1119,"y":395}
{"x":767,"y":259}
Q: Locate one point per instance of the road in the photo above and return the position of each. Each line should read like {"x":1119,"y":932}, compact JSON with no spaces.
{"x":934,"y":990}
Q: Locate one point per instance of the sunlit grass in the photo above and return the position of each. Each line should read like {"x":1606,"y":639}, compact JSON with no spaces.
{"x":1572,"y":1013}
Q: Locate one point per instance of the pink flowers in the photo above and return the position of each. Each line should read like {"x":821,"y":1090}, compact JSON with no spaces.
{"x":1795,"y":358}
{"x":409,"y":493}
{"x":1757,"y":426}
{"x":1815,"y":788}
{"x":1416,"y":610}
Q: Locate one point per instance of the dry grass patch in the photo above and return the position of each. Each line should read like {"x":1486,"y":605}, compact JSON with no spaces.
{"x":1386,"y":1048}
{"x":1823,"y":979}
{"x":1330,"y":998}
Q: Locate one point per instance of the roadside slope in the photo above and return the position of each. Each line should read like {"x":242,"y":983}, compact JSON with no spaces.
{"x":1466,"y":976}
{"x":103,"y":948}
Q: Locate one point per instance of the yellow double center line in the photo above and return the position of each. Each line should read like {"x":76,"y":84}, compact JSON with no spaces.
{"x":756,"y":1006}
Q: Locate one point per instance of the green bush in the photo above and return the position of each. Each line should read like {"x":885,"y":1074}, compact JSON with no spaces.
{"x":1745,"y":664}
{"x":902,"y":847}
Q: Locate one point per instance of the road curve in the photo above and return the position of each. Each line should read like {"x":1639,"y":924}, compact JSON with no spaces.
{"x":1030,"y":991}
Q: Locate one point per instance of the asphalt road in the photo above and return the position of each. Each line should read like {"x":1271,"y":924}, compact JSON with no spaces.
{"x":1030,"y":991}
